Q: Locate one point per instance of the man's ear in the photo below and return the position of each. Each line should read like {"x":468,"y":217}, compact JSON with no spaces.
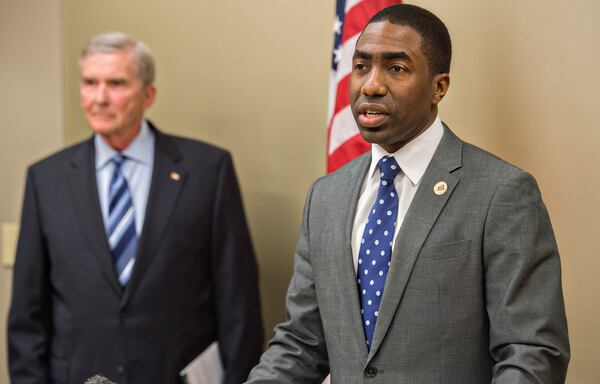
{"x":150,"y":93}
{"x":440,"y":84}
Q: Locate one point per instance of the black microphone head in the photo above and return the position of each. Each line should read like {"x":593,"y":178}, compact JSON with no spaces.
{"x":98,"y":380}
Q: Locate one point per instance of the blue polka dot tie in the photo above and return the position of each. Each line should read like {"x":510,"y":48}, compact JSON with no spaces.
{"x":122,"y":237}
{"x":376,"y":246}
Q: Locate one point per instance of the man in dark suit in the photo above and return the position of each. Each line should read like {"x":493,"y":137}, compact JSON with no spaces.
{"x":134,"y":254}
{"x":427,"y":260}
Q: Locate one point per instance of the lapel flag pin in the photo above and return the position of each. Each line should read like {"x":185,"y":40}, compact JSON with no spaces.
{"x":175,"y":176}
{"x":440,"y":188}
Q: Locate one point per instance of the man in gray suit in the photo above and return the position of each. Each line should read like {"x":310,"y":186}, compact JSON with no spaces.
{"x":427,"y":260}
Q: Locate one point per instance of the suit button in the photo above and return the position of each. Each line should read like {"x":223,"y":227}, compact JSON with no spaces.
{"x":371,"y":371}
{"x":120,"y":370}
{"x":123,"y":317}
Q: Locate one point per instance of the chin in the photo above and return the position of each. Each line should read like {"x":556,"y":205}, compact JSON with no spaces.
{"x":102,"y":129}
{"x":372,"y":135}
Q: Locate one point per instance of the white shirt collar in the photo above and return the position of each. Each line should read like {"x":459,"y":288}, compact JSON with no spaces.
{"x":140,"y":149}
{"x":414,"y":157}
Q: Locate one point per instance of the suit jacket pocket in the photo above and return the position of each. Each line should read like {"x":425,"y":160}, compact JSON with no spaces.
{"x":59,"y":369}
{"x":446,"y":250}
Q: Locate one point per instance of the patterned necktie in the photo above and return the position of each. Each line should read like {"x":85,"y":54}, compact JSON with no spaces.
{"x":122,"y":237}
{"x":376,"y":246}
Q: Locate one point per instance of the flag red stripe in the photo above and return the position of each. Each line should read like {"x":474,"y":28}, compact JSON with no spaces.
{"x":342,"y":95}
{"x":342,"y":99}
{"x":351,"y":148}
{"x":358,"y":16}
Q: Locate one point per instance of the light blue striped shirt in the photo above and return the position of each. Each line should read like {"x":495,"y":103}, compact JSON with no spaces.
{"x":137,"y":170}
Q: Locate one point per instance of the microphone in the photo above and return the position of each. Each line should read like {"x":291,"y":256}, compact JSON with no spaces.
{"x":98,"y":380}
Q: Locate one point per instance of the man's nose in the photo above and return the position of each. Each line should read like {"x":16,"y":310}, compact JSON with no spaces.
{"x":374,"y":84}
{"x":101,"y":95}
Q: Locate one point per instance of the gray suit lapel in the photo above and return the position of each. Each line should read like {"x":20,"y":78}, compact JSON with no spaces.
{"x":81,"y":180}
{"x":349,"y":192}
{"x":420,"y":218}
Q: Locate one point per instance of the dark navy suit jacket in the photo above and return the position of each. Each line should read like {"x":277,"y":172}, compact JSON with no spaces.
{"x":194,"y":281}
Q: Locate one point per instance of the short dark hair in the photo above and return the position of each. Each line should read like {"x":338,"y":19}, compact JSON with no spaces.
{"x":435,"y":39}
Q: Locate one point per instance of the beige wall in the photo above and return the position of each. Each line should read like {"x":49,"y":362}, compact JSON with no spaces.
{"x":31,"y":108}
{"x":252,"y":77}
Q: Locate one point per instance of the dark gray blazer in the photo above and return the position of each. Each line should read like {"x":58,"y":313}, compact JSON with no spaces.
{"x":194,"y":281}
{"x":473,"y":294}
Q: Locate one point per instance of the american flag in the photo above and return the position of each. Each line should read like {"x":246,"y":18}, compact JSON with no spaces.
{"x":343,"y":140}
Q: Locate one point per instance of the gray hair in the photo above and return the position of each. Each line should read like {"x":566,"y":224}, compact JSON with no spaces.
{"x":119,"y":41}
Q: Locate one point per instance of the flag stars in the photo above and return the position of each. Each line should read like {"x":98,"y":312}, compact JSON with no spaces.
{"x":337,"y":25}
{"x":337,"y":55}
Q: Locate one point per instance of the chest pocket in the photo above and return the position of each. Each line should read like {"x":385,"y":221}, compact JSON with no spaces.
{"x":445,"y":251}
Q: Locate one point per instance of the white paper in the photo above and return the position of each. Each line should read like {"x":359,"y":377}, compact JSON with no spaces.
{"x":207,"y":368}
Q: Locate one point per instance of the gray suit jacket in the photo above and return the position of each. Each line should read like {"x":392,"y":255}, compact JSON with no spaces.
{"x":473,"y":294}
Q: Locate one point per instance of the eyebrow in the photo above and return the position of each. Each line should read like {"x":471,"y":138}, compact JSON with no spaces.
{"x":362,"y":54}
{"x":386,"y":55}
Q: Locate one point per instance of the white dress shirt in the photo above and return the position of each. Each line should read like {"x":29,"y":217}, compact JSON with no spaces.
{"x":413,"y":160}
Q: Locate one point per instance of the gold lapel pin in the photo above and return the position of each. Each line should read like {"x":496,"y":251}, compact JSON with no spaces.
{"x":175,"y":176}
{"x":440,"y":188}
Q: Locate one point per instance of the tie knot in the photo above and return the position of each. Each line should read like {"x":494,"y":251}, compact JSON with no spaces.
{"x":118,"y":160}
{"x":388,"y":168}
